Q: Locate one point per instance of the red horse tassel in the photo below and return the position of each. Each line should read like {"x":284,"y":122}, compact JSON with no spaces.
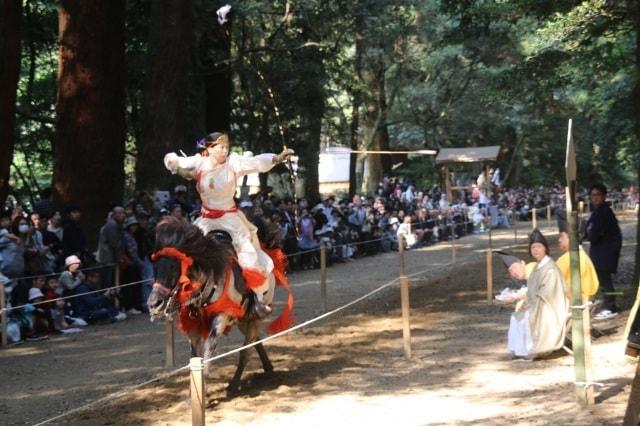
{"x":286,"y":319}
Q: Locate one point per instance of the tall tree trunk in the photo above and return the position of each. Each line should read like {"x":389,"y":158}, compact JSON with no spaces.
{"x":164,"y":115}
{"x":218,"y":78}
{"x":89,"y":141}
{"x":10,"y":17}
{"x":356,"y":101}
{"x":312,"y":72}
{"x":376,"y":136}
{"x":636,"y":102}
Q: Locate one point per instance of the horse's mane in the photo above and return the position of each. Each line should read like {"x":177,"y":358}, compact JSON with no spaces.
{"x":210,"y":256}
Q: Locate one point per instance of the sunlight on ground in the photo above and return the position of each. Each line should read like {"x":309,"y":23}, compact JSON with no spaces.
{"x":407,"y":409}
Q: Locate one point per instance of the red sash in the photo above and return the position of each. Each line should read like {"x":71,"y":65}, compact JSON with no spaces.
{"x":216,"y":214}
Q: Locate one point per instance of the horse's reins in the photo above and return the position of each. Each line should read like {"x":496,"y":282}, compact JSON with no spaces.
{"x":185,"y":263}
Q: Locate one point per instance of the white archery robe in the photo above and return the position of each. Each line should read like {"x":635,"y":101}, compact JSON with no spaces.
{"x":217,"y":187}
{"x":541,"y":327}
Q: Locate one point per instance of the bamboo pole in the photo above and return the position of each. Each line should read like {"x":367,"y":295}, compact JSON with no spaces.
{"x":170,"y":335}
{"x":580,"y":333}
{"x":197,"y":392}
{"x":323,"y":275}
{"x":3,"y":319}
{"x":404,"y":300}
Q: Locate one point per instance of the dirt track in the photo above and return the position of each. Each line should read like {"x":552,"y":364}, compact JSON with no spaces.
{"x":347,"y":369}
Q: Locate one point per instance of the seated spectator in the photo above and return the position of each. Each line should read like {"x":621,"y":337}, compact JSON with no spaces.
{"x":95,"y":307}
{"x":38,"y":313}
{"x":404,"y":231}
{"x":72,"y":277}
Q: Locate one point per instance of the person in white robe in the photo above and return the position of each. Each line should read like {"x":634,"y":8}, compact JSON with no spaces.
{"x":216,"y":174}
{"x":538,"y":327}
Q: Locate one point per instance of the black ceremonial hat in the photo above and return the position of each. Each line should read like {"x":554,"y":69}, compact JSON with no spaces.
{"x":507,"y":258}
{"x":563,"y":226}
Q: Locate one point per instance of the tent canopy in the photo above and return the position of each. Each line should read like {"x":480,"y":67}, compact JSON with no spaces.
{"x":468,"y":155}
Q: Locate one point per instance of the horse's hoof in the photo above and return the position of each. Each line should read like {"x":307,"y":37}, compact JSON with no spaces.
{"x":233,"y":390}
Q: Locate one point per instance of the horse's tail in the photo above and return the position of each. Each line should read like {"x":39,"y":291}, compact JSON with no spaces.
{"x":286,"y":319}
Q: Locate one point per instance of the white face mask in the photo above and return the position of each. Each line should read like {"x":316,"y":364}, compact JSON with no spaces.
{"x":23,"y":228}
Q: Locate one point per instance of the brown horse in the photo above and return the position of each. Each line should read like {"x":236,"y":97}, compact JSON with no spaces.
{"x":196,"y":281}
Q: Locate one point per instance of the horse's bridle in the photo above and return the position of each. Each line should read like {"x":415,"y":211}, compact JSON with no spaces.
{"x":185,"y":263}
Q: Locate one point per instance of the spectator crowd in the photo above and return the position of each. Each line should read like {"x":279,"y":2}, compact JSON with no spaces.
{"x":44,"y":254}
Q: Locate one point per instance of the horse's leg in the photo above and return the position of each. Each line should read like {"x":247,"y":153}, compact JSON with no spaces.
{"x":264,"y":358}
{"x":250,"y":330}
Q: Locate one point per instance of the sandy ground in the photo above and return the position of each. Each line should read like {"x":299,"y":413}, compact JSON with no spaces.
{"x":346,"y":369}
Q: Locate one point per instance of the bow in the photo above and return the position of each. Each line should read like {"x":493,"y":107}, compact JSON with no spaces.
{"x":222,"y":19}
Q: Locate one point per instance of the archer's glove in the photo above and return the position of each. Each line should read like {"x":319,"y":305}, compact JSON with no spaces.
{"x":283,"y":156}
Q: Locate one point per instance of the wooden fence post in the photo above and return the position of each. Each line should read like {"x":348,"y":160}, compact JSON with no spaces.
{"x":323,"y":275}
{"x":549,"y":215}
{"x":3,"y":302}
{"x":197,"y":391}
{"x":490,"y":270}
{"x":116,"y":280}
{"x":515,"y":227}
{"x":404,"y":300}
{"x":170,"y":358}
{"x":534,"y":218}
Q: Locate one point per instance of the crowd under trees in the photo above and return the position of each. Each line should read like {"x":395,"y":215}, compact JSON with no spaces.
{"x":93,"y":94}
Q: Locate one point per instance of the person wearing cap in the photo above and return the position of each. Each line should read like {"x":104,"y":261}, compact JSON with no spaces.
{"x":539,"y":327}
{"x":72,"y":276}
{"x":216,"y":173}
{"x":39,"y":314}
{"x":588,"y":277}
{"x":603,"y":232}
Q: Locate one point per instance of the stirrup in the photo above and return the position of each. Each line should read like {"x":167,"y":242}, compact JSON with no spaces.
{"x":256,"y":308}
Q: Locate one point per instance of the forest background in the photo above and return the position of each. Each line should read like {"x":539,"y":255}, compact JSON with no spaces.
{"x":94,"y":93}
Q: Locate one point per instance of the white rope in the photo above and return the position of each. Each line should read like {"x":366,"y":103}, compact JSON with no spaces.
{"x":73,"y":296}
{"x":114,"y":395}
{"x":129,"y":389}
{"x":584,"y":306}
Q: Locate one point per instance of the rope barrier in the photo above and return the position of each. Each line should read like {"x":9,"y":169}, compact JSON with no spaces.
{"x":54,"y":274}
{"x":162,"y":376}
{"x":73,"y":296}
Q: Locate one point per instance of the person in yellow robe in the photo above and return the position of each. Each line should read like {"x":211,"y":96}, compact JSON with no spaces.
{"x":588,"y":276}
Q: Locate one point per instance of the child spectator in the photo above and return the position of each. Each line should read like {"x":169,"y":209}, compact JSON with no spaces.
{"x":72,"y":276}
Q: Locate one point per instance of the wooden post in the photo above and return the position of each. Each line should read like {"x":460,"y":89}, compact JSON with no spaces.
{"x":453,"y":248}
{"x":404,"y":300}
{"x":515,"y":227}
{"x":401,"y":253}
{"x":170,"y":358}
{"x":3,"y":319}
{"x":632,"y":414}
{"x":323,"y":275}
{"x":406,"y":325}
{"x":534,"y":219}
{"x":197,"y":391}
{"x":549,"y":215}
{"x":489,"y":276}
{"x":116,"y":280}
{"x":580,"y":207}
{"x":447,"y":183}
{"x":490,"y":269}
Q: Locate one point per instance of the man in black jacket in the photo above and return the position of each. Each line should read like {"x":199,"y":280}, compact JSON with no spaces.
{"x":605,"y":236}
